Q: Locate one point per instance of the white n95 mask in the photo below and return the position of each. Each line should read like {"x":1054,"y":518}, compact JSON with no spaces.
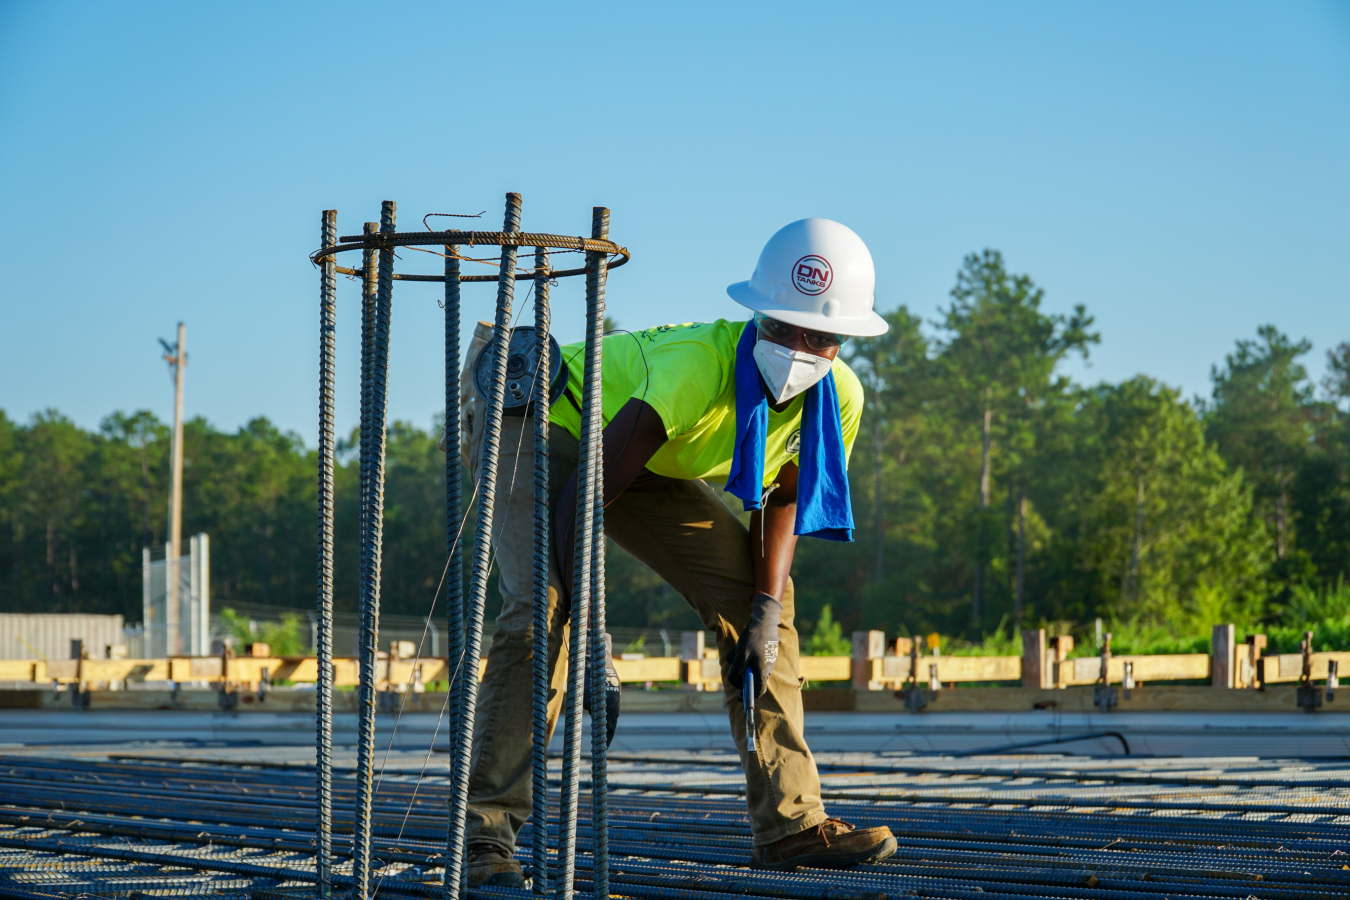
{"x":788,"y":372}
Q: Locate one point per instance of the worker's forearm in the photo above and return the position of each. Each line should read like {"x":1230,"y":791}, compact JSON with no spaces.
{"x":772,"y":554}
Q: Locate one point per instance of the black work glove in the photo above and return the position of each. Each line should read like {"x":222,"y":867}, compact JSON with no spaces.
{"x":757,"y":647}
{"x":611,"y":692}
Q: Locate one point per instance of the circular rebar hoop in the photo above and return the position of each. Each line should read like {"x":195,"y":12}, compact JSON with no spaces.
{"x":593,"y":380}
{"x":614,"y":254}
{"x":323,"y":699}
{"x":454,"y":569}
{"x":372,"y":534}
{"x":539,"y":699}
{"x":482,"y":556}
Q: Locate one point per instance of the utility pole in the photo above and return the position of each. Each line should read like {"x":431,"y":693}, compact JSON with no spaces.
{"x":176,"y":357}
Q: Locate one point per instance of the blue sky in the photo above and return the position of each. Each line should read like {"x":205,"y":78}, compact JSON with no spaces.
{"x":1183,"y":169}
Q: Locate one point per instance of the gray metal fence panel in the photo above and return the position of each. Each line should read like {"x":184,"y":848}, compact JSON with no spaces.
{"x":48,"y":635}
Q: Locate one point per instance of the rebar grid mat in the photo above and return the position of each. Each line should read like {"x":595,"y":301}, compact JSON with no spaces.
{"x":211,"y":822}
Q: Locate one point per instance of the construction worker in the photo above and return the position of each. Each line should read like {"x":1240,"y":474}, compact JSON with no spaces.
{"x":764,"y":409}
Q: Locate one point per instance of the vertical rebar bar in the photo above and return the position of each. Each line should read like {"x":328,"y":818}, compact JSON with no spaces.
{"x":540,"y":403}
{"x":369,"y":289}
{"x":578,"y":658}
{"x":372,"y":533}
{"x":323,"y":695}
{"x":576,"y":676}
{"x":482,"y":553}
{"x":593,"y":407}
{"x":454,"y":568}
{"x":369,"y":294}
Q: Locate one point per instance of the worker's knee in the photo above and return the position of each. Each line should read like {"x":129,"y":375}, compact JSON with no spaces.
{"x":516,"y":621}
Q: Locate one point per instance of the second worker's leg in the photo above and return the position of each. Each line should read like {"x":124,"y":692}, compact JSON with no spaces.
{"x":687,"y":535}
{"x":500,"y":784}
{"x":683,"y":531}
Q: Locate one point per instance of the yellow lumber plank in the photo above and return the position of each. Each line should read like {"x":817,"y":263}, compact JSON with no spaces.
{"x":978,"y":668}
{"x":950,"y":668}
{"x":1289,"y":666}
{"x":435,"y":670}
{"x":650,"y":669}
{"x":825,"y":668}
{"x":346,"y":672}
{"x":19,"y":669}
{"x":126,"y":670}
{"x":248,"y":669}
{"x":62,"y":670}
{"x":206,"y":667}
{"x":1173,"y":667}
{"x":298,"y":669}
{"x":1169,"y":667}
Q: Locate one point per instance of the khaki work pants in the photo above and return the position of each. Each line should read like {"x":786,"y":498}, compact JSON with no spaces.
{"x":687,"y":535}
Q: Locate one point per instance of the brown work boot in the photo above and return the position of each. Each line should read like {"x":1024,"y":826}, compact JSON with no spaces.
{"x":833,"y":844}
{"x":491,"y":866}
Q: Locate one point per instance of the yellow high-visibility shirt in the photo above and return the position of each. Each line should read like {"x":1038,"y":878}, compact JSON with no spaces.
{"x":687,"y":374}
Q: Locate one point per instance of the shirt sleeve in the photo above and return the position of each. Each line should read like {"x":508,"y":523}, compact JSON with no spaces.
{"x":683,"y":379}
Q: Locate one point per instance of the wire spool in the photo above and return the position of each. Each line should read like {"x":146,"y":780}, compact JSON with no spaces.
{"x":522,"y":364}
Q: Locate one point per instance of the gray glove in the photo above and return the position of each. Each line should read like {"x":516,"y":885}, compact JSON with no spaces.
{"x":757,"y":647}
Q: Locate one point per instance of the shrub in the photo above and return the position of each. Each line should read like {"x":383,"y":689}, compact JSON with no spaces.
{"x":827,"y":638}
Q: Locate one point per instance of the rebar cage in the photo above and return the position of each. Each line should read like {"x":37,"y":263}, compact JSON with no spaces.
{"x":586,"y":663}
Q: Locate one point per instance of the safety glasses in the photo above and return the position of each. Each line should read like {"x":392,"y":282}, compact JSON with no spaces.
{"x":783,"y":333}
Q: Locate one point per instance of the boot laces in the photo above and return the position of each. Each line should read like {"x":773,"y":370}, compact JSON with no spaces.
{"x":838,"y":825}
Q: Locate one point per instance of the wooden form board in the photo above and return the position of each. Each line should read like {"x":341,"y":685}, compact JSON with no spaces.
{"x":949,"y":668}
{"x":242,"y":670}
{"x":887,"y":671}
{"x":654,"y":668}
{"x":1283,"y":667}
{"x":825,"y":668}
{"x":1150,"y":698}
{"x":1177,"y":667}
{"x":1047,"y":702}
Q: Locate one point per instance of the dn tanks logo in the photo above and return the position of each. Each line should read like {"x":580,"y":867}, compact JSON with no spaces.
{"x":812,"y":275}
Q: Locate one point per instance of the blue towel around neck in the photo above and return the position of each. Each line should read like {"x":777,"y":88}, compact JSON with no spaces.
{"x":823,"y":506}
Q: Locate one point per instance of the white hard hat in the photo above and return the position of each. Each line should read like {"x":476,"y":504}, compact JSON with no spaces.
{"x":816,"y":274}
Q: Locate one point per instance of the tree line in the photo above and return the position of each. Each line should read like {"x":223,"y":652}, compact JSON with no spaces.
{"x":989,"y":490}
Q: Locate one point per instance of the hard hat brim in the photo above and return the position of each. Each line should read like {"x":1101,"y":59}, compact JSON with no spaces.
{"x":869,"y":325}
